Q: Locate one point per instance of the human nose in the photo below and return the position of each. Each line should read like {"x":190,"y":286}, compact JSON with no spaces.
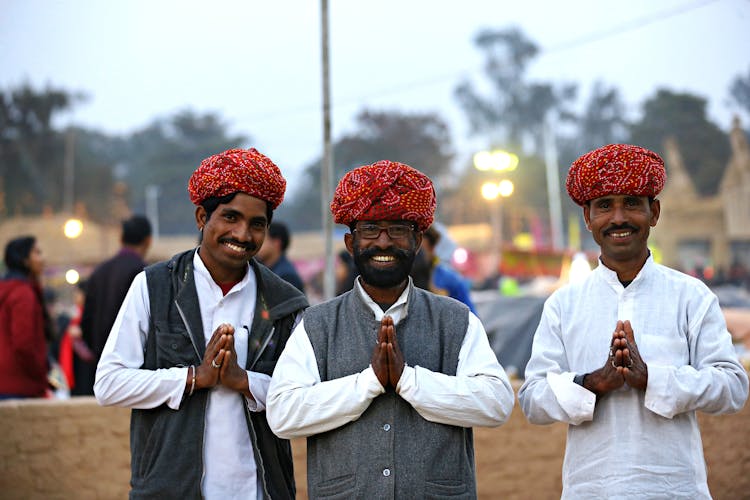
{"x":618,"y":214}
{"x":383,"y":237}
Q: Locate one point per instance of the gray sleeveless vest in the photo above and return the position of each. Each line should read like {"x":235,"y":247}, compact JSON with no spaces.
{"x":390,"y":451}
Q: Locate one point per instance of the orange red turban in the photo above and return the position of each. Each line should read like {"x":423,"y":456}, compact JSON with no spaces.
{"x":244,"y":170}
{"x":615,"y":169}
{"x":385,"y":190}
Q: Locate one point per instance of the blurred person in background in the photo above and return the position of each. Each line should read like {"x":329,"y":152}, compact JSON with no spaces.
{"x":346,"y":272}
{"x":26,"y":326}
{"x":105,"y":291}
{"x":443,"y":279}
{"x":628,"y":355}
{"x":195,"y":342}
{"x":386,"y":381}
{"x":72,"y":345}
{"x":273,"y":255}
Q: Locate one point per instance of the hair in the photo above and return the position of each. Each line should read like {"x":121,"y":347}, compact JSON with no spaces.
{"x":17,"y":251}
{"x":135,"y":230}
{"x":279,"y":231}
{"x":432,"y":235}
{"x":210,"y":204}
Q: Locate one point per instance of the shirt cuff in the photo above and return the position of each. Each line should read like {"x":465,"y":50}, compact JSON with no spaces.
{"x":258,"y":384}
{"x":574,"y":399}
{"x":370,"y":382}
{"x":408,"y":380}
{"x":657,"y":398}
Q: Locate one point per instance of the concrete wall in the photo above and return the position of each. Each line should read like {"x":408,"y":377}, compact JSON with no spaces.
{"x":76,"y":449}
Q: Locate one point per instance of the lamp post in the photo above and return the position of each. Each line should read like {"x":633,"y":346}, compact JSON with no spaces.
{"x":498,"y":161}
{"x":72,"y":230}
{"x":493,"y":192}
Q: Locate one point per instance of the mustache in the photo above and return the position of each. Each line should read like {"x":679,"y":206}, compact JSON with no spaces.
{"x":620,"y":227}
{"x":396,"y":252}
{"x":249,"y":246}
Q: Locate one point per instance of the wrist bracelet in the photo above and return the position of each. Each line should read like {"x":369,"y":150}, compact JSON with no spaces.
{"x":192,"y":383}
{"x":578,"y":379}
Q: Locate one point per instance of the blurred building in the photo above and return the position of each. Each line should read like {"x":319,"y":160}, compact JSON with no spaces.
{"x":706,"y":235}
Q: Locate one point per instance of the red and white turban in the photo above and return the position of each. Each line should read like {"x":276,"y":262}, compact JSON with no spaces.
{"x":615,"y":169}
{"x":385,"y":190}
{"x":243,"y":170}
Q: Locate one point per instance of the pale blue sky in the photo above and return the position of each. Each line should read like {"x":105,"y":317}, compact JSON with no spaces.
{"x":257,"y":62}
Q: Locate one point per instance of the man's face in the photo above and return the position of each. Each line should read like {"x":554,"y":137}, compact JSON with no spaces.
{"x":620,"y":224}
{"x":383,"y":261}
{"x":233,"y":234}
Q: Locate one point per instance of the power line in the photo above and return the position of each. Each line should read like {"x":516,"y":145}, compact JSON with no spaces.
{"x":628,"y":26}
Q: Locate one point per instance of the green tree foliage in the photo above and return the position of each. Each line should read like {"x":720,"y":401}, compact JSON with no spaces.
{"x":164,"y":154}
{"x":740,"y":91}
{"x":704,"y":146}
{"x":421,"y":140}
{"x":516,"y":109}
{"x":31,"y":150}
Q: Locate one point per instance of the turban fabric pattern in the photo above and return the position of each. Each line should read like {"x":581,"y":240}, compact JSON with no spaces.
{"x":385,"y":190}
{"x":615,"y":169}
{"x":243,"y":170}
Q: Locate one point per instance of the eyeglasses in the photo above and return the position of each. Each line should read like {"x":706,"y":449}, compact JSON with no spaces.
{"x":395,"y":231}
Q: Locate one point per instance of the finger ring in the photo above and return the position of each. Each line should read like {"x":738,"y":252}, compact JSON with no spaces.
{"x":214,"y":364}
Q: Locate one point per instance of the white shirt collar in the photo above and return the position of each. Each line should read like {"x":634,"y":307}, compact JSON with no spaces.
{"x":200,"y":268}
{"x":397,"y":311}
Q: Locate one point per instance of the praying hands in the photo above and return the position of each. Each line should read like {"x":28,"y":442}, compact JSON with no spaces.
{"x":387,"y":360}
{"x":623,"y":365}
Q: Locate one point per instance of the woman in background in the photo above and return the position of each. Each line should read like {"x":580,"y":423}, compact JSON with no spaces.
{"x":25,"y":324}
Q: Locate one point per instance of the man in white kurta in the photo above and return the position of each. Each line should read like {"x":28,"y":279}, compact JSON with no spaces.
{"x":479,"y":394}
{"x":387,"y":380}
{"x":629,"y":355}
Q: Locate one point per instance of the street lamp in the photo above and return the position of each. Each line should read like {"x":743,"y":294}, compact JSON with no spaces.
{"x":492,"y":192}
{"x":73,"y":228}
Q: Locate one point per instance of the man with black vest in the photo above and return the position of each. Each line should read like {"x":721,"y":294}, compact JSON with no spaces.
{"x":196,"y":341}
{"x":387,"y":380}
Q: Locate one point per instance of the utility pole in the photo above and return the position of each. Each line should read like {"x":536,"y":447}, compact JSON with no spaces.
{"x":326,"y":174}
{"x":69,"y":171}
{"x":553,"y":186}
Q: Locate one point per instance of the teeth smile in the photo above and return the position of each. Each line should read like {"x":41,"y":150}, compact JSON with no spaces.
{"x":623,"y":234}
{"x":383,"y":258}
{"x":234,"y":247}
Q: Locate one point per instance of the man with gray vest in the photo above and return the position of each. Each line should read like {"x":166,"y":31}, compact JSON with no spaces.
{"x":195,"y":342}
{"x":387,"y":380}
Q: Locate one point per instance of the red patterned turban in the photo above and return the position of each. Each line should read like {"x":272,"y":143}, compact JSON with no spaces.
{"x":385,"y":190}
{"x":615,"y":169}
{"x":244,"y":170}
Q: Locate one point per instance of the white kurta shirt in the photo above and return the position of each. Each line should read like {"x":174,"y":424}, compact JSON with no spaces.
{"x":229,"y":463}
{"x":299,"y":404}
{"x":630,"y":443}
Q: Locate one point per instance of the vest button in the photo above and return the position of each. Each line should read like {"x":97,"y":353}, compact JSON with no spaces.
{"x":386,"y":472}
{"x":174,"y":345}
{"x":387,"y":427}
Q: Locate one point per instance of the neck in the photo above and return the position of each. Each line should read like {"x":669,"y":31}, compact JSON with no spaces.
{"x":223,"y":274}
{"x":626,"y":270}
{"x":384,"y":296}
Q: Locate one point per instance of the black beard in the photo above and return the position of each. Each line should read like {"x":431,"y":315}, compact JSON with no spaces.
{"x":378,"y":277}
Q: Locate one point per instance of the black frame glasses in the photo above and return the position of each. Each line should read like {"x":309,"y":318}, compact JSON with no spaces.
{"x":395,"y":231}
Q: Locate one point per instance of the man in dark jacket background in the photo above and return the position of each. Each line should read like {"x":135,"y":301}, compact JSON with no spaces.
{"x":105,"y":291}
